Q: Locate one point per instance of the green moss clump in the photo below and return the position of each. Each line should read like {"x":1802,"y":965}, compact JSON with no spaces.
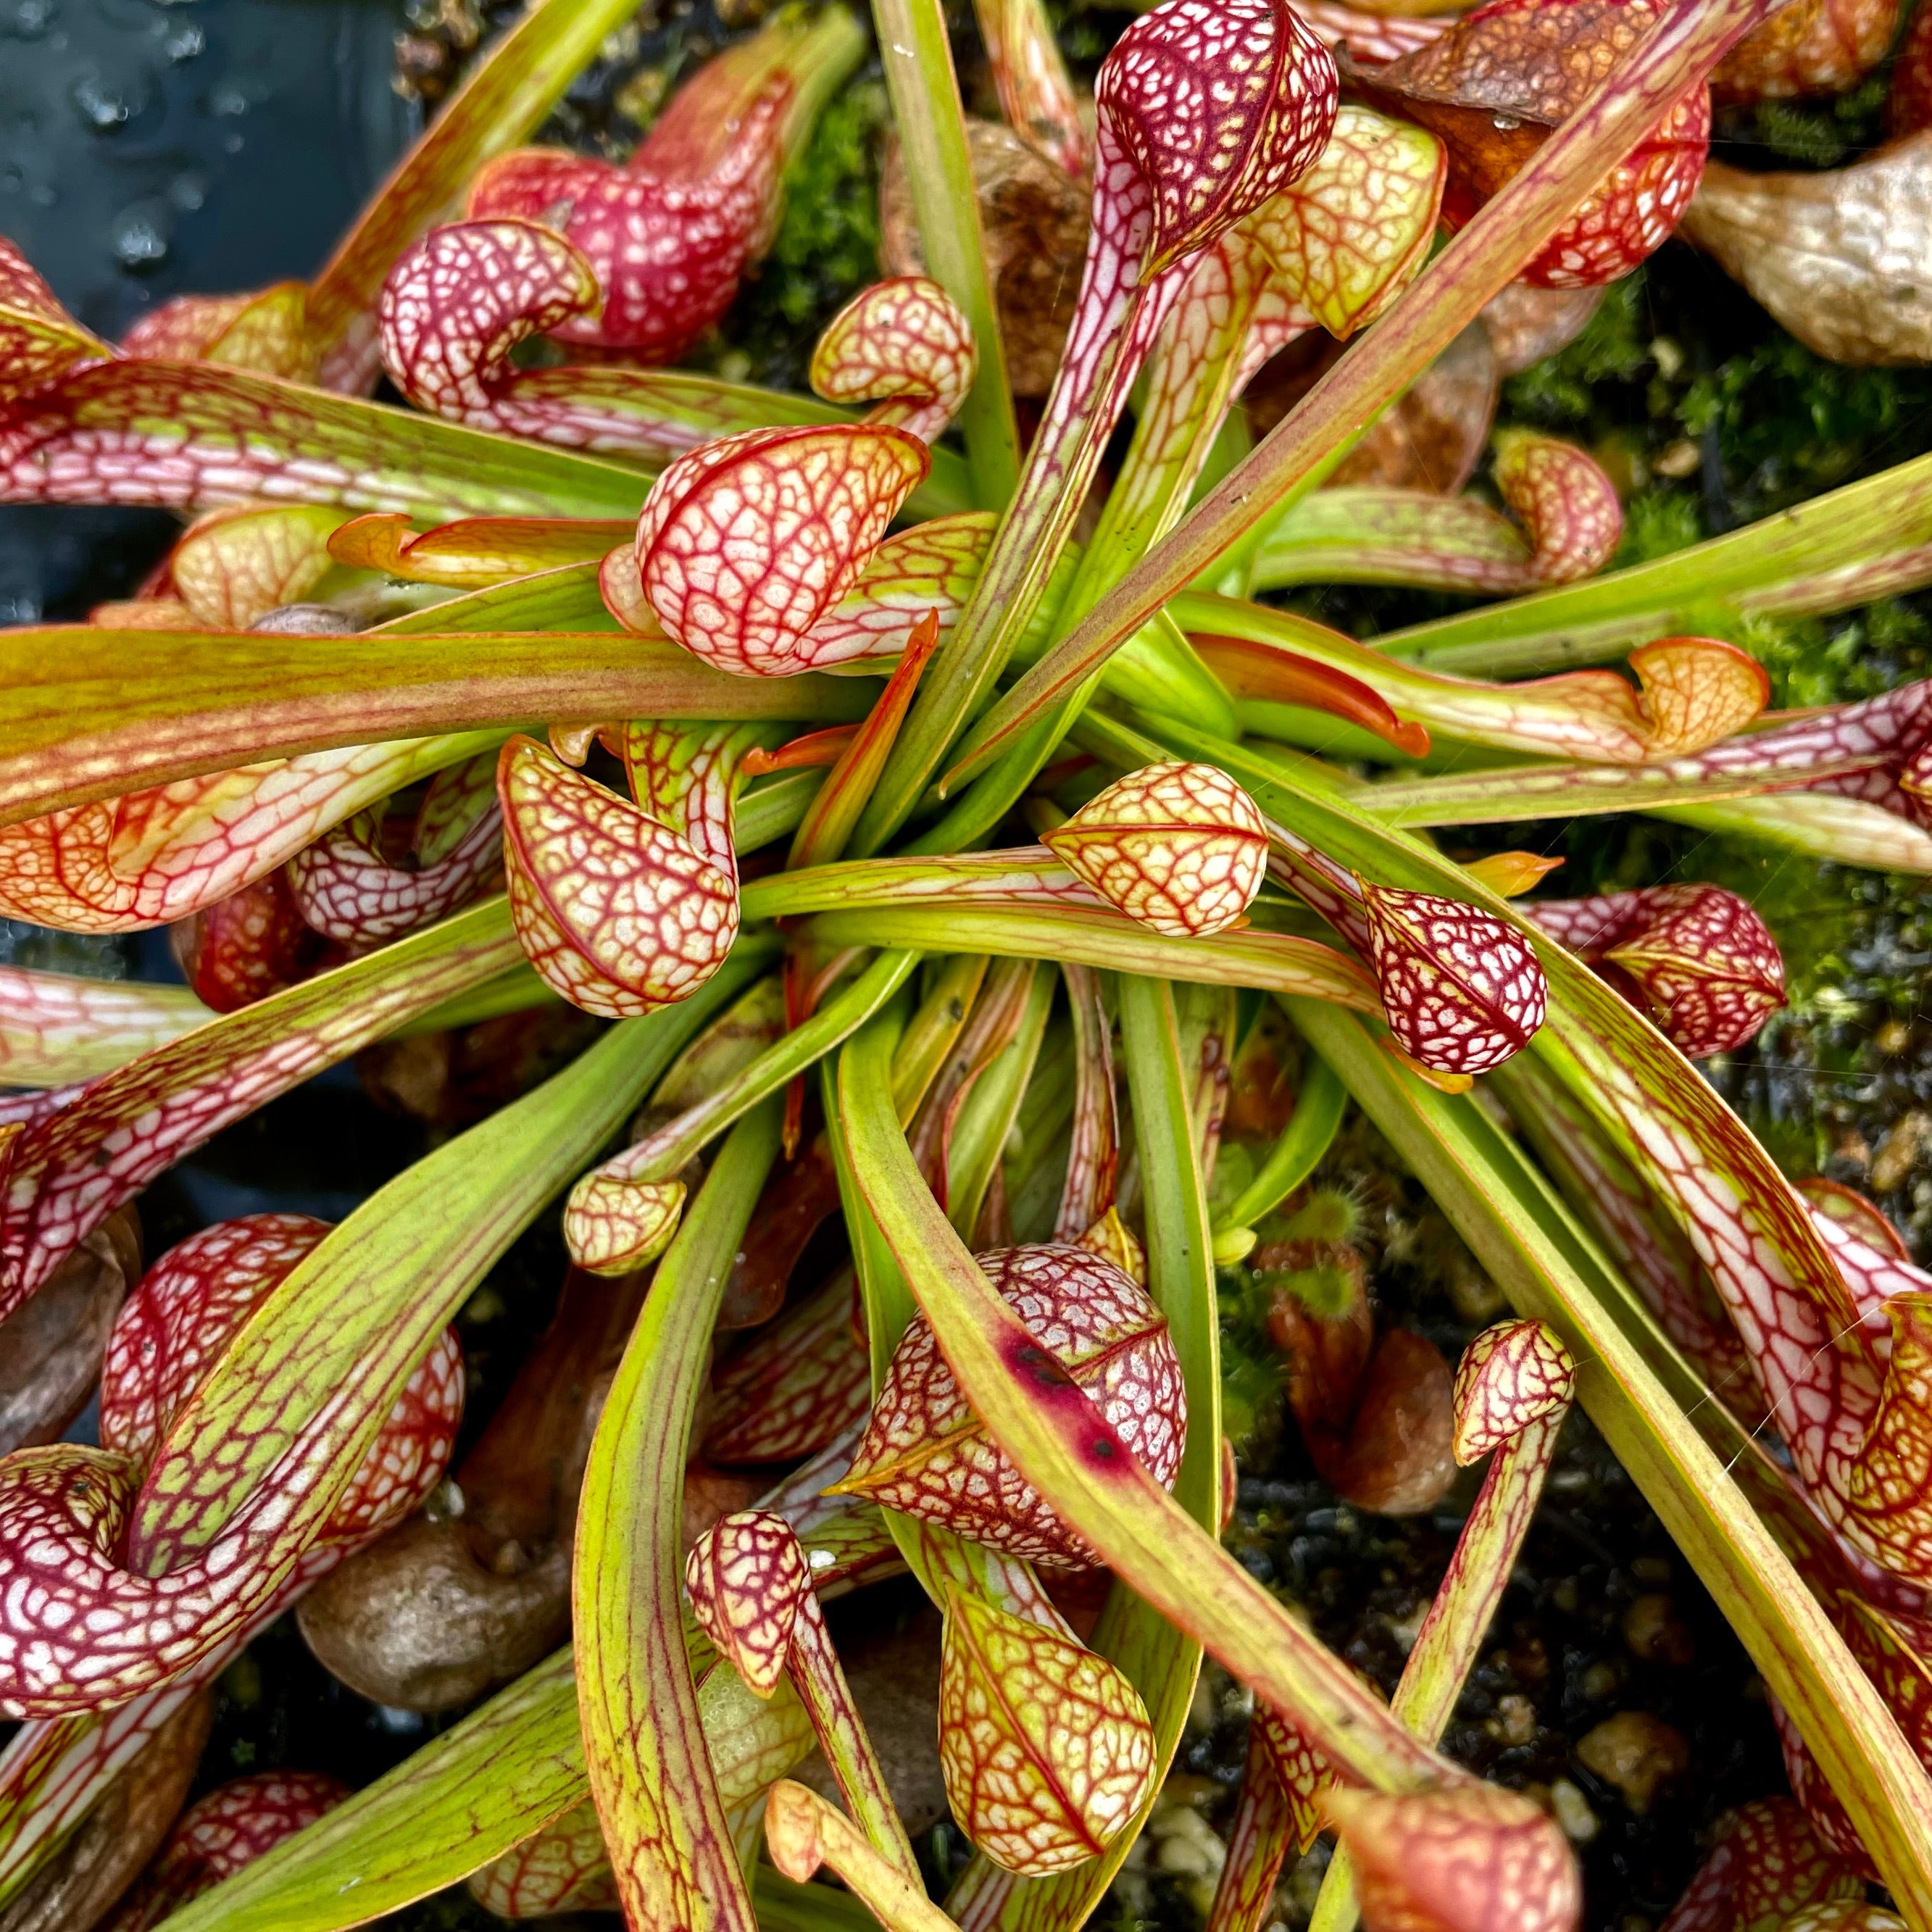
{"x":1790,"y":425}
{"x":1657,"y":522}
{"x":1813,"y":133}
{"x":1561,"y":392}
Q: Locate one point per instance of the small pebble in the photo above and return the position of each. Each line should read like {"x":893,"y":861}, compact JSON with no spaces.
{"x":1407,"y":1628}
{"x":1515,"y":1721}
{"x":1636,"y":1753}
{"x":1572,"y":1812}
{"x":1654,"y":1632}
{"x":1600,"y":1681}
{"x":1185,"y":1846}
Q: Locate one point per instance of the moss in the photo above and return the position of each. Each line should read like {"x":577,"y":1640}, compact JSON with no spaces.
{"x":1789,"y":424}
{"x":1658,"y":521}
{"x":1808,"y":134}
{"x":826,"y":248}
{"x":1564,"y":391}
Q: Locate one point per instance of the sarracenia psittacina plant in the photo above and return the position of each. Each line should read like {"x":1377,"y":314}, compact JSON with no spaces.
{"x":315,"y":811}
{"x":106,"y":1608}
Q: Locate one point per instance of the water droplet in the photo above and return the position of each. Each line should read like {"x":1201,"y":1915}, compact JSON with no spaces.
{"x":227,"y":101}
{"x":26,"y":19}
{"x":106,"y":104}
{"x":140,"y":239}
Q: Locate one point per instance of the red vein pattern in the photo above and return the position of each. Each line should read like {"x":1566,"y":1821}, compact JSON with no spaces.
{"x":92,"y":1614}
{"x":1468,"y":1858}
{"x":562,"y":1868}
{"x":152,"y":856}
{"x":244,"y":947}
{"x":1510,"y":1375}
{"x":57,"y":1027}
{"x":933,"y":566}
{"x":618,"y":913}
{"x":744,"y":544}
{"x":1566,"y":503}
{"x":1093,"y":1144}
{"x":1369,"y":36}
{"x":72,"y":1168}
{"x":926,"y":1453}
{"x":448,"y":330}
{"x":1768,"y":1864}
{"x":1696,"y":959}
{"x":458,"y":301}
{"x":1485,"y":991}
{"x":39,"y":340}
{"x":614,"y":1223}
{"x":1329,"y":250}
{"x":1180,"y":847}
{"x":236,"y":565}
{"x":1342,"y":242}
{"x":1818,"y":46}
{"x":218,"y":1835}
{"x":668,"y":244}
{"x":1216,"y":108}
{"x":347,"y":886}
{"x":796,"y":1385}
{"x":904,"y":346}
{"x":192,"y":436}
{"x":1635,"y":1230}
{"x":1046,"y":1748}
{"x":746,"y":1577}
{"x":1260,"y":1836}
{"x":1463,"y":990}
{"x":1495,"y":84}
{"x":1856,"y":1424}
{"x":266,"y":331}
{"x":1204,"y":112}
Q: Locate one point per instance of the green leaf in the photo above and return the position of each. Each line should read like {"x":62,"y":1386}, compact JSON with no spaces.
{"x":663,"y":1817}
{"x":71,"y":1171}
{"x":1826,"y":555}
{"x":1161,"y":1660}
{"x":192,"y":435}
{"x":978,"y":1135}
{"x":918,"y":54}
{"x":1308,"y":1136}
{"x":372,"y":1296}
{"x":93,"y":712}
{"x":505,"y":1772}
{"x":1092,"y":936}
{"x":1063,"y":1446}
{"x":57,"y":1028}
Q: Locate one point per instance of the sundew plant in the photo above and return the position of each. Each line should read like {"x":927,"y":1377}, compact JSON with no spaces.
{"x":918,"y":902}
